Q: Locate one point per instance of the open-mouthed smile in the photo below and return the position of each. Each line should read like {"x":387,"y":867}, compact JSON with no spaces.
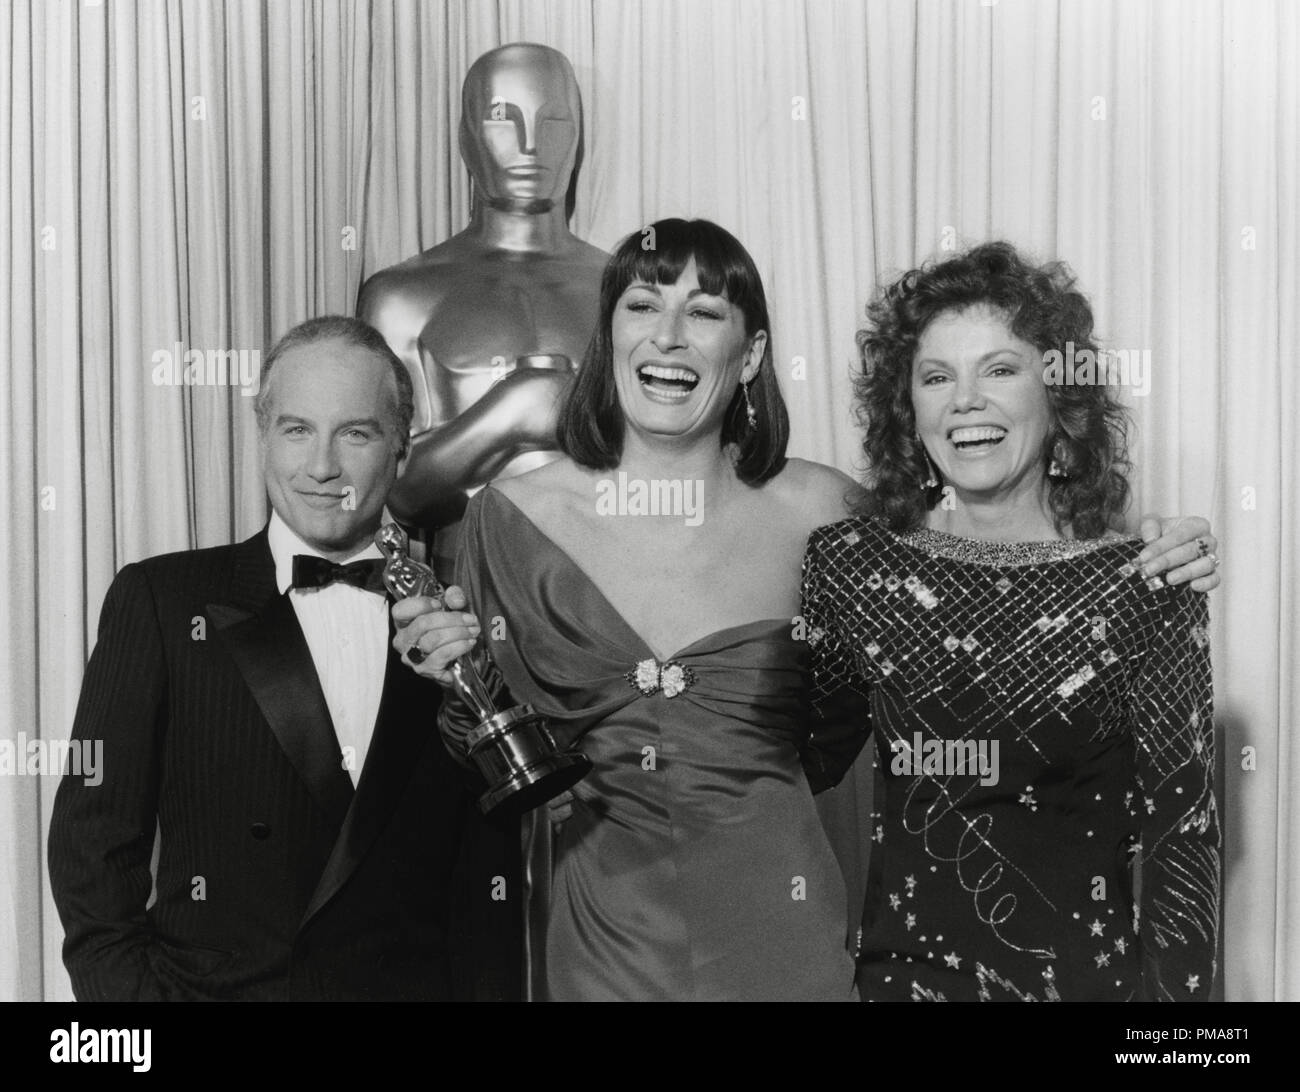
{"x":667,"y":382}
{"x":976,"y":439}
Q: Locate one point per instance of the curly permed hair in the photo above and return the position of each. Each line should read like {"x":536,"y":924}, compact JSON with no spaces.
{"x":1042,"y":306}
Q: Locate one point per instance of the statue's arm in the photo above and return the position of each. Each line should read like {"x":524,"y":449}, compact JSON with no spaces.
{"x":381,"y":304}
{"x":515,"y":415}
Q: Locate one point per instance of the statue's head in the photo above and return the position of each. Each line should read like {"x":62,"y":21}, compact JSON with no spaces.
{"x":520,"y":126}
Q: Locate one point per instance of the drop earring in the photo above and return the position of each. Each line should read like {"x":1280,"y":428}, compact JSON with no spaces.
{"x":1056,"y":468}
{"x":750,"y":415}
{"x":931,"y":478}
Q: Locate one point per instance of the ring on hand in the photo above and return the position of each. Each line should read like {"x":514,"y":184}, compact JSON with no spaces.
{"x":415,"y":654}
{"x":1214,"y":558}
{"x":1202,"y":547}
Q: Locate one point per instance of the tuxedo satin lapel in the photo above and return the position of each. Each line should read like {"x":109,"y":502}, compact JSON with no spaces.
{"x":406,"y":723}
{"x":260,"y":630}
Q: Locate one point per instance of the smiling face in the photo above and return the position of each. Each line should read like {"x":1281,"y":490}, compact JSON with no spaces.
{"x":679,"y":354}
{"x":980,"y":403}
{"x":519,"y":130}
{"x":329,"y":453}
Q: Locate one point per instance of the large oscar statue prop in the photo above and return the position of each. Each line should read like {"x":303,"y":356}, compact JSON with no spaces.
{"x":492,"y":322}
{"x":511,"y":748}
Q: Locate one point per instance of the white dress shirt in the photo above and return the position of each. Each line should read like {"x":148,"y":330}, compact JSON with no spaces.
{"x":347,"y":633}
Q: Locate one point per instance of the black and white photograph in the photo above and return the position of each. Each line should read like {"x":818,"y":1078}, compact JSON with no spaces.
{"x":651,"y":500}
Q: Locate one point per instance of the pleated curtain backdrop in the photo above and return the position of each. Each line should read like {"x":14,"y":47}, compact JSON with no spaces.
{"x":196,"y":175}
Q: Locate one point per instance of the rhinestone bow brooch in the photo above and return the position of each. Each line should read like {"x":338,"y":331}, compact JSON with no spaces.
{"x":650,"y":676}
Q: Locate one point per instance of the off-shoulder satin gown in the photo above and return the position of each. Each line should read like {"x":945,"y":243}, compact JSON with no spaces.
{"x":694,"y":866}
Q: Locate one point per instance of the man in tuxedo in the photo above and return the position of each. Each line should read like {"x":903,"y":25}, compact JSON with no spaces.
{"x":315,"y":840}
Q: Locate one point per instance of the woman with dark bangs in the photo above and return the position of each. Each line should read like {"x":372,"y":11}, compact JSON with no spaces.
{"x":1042,"y":711}
{"x":643,"y":593}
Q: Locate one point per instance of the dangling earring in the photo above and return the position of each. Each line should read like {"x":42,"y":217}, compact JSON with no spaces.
{"x":1056,"y":468}
{"x":750,"y":415}
{"x":931,"y":478}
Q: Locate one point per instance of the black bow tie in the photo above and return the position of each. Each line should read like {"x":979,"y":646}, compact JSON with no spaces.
{"x":319,"y":572}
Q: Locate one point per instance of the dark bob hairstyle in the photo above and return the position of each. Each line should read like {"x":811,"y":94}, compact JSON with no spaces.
{"x":590,"y":429}
{"x":1041,"y":305}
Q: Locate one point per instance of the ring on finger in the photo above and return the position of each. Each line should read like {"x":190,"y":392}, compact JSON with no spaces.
{"x":1202,"y":547}
{"x":415,"y":654}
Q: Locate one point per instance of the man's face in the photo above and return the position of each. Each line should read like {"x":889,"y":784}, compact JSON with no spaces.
{"x":521,"y":130}
{"x":329,"y":452}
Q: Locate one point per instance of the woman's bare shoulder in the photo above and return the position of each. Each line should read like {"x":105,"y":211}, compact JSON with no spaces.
{"x":816,"y":494}
{"x":551,"y":487}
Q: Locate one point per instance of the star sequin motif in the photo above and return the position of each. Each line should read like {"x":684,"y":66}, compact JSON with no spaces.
{"x":911,"y":885}
{"x":894,"y":900}
{"x":1121,"y":945}
{"x":1027,"y":798}
{"x":911,"y":922}
{"x":1096,"y":928}
{"x":953,"y":960}
{"x":880,"y":834}
{"x":1103,"y":959}
{"x":1193,"y":983}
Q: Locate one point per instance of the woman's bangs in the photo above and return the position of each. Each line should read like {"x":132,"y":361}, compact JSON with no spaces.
{"x":661,"y":258}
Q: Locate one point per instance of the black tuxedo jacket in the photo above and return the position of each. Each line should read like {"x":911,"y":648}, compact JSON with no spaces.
{"x":275,"y":879}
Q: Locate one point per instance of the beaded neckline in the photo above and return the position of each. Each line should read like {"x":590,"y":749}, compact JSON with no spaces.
{"x":982,"y":552}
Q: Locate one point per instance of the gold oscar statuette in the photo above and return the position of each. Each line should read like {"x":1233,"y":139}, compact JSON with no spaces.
{"x":513,"y":748}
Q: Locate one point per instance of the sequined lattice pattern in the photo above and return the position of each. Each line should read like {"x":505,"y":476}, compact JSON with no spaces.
{"x":1043,"y":725}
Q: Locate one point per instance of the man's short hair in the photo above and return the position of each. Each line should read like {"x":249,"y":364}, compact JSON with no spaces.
{"x":357,"y":334}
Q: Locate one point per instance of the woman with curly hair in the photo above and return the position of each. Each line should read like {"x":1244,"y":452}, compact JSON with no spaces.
{"x":1045,"y":823}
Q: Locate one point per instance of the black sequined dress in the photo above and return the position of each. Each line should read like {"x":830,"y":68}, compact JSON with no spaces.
{"x":1043,"y":721}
